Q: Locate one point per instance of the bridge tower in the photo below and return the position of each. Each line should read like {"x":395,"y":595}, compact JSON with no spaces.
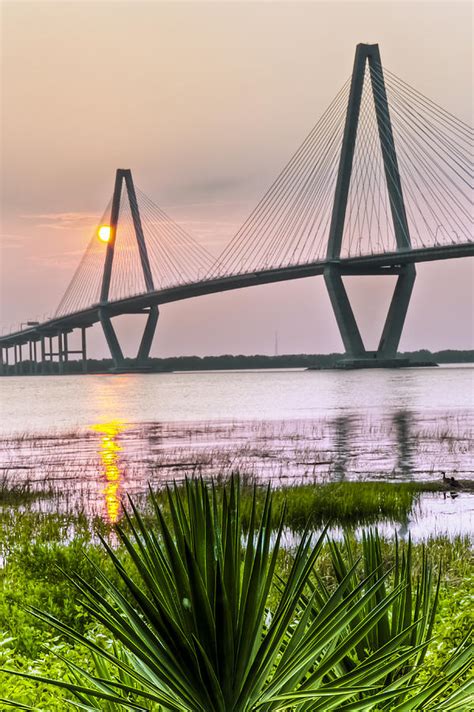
{"x":356,"y":353}
{"x":124,"y":175}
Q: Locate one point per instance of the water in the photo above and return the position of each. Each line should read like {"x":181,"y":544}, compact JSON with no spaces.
{"x":107,"y":434}
{"x":37,"y":404}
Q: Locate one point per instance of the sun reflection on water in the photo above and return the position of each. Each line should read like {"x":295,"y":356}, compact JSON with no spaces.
{"x":109,"y":453}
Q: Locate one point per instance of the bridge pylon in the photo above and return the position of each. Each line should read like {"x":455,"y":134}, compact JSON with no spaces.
{"x":124,"y":176}
{"x":356,"y":353}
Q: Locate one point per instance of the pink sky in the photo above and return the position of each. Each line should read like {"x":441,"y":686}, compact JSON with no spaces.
{"x":205,"y":102}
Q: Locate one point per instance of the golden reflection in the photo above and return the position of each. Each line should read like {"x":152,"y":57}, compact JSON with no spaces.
{"x":109,"y":454}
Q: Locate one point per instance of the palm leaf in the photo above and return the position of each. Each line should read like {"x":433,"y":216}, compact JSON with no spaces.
{"x":194,"y":629}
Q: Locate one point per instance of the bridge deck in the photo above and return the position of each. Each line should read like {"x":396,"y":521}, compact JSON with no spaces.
{"x":387,"y":263}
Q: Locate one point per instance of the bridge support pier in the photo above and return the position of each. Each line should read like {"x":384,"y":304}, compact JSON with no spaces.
{"x":60,"y":353}
{"x":397,"y":312}
{"x":42,"y":356}
{"x":30,"y":357}
{"x":356,"y":354}
{"x":111,"y":338}
{"x":84,"y":349}
{"x":35,"y":356}
{"x":51,"y":357}
{"x":65,"y":348}
{"x":125,"y":175}
{"x":148,"y":334}
{"x":145,"y":343}
{"x":341,"y":305}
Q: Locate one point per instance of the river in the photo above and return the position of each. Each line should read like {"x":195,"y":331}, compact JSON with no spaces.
{"x":105,"y":435}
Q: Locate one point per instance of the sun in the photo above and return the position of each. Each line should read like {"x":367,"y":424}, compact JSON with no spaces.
{"x":104,"y":233}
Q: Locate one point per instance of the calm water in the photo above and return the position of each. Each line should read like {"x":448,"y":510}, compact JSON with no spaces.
{"x":104,"y":435}
{"x":32,"y":404}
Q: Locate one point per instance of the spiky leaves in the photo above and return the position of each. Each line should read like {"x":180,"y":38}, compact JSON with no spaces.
{"x":194,"y":629}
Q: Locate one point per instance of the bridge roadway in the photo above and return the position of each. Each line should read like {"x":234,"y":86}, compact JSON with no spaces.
{"x":387,"y":263}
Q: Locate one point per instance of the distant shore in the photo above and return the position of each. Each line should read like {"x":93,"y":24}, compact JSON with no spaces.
{"x":259,"y":361}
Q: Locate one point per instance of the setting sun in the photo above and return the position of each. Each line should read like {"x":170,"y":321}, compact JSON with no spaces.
{"x":104,"y":233}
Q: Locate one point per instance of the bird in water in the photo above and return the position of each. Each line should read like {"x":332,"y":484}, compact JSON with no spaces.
{"x":450,"y":481}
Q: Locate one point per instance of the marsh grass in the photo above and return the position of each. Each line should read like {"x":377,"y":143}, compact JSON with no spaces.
{"x":35,"y":575}
{"x":397,"y":448}
{"x":347,"y":503}
{"x":15,"y":493}
{"x":337,"y":503}
{"x":40,"y":547}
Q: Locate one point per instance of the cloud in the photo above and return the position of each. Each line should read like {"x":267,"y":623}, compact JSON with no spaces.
{"x":66,"y":261}
{"x":214,"y":187}
{"x":211,"y":233}
{"x":207,"y":204}
{"x":63,"y":221}
{"x":10,"y":241}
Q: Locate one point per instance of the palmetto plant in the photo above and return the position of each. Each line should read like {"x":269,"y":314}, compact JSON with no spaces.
{"x":199,"y":627}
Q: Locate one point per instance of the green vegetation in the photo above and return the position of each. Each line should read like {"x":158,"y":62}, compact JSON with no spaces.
{"x":230,"y":362}
{"x":341,"y":503}
{"x":348,"y":503}
{"x":22,"y":493}
{"x":285,"y":583}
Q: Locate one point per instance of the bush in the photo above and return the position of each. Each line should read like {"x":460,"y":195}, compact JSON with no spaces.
{"x":196,"y":624}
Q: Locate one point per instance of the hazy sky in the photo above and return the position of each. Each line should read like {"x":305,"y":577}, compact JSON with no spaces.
{"x":205,"y":102}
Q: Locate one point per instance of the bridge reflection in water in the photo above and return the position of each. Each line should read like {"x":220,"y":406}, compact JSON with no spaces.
{"x":109,"y":454}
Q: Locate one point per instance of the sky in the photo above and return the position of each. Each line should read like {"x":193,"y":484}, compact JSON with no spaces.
{"x":205,"y":102}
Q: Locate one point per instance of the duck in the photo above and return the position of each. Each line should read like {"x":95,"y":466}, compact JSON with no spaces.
{"x":450,"y":481}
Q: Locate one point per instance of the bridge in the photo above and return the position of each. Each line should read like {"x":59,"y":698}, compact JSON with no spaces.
{"x":383,"y":181}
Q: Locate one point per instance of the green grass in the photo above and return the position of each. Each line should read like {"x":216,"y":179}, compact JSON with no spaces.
{"x":24,"y":582}
{"x":14,"y":493}
{"x":345,"y":504}
{"x":31,"y":576}
{"x":38,"y":547}
{"x":340,"y":503}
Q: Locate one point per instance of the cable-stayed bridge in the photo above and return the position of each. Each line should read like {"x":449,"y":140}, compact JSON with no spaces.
{"x":384,"y":180}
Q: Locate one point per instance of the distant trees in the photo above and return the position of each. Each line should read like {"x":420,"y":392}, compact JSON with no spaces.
{"x":258,"y":361}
